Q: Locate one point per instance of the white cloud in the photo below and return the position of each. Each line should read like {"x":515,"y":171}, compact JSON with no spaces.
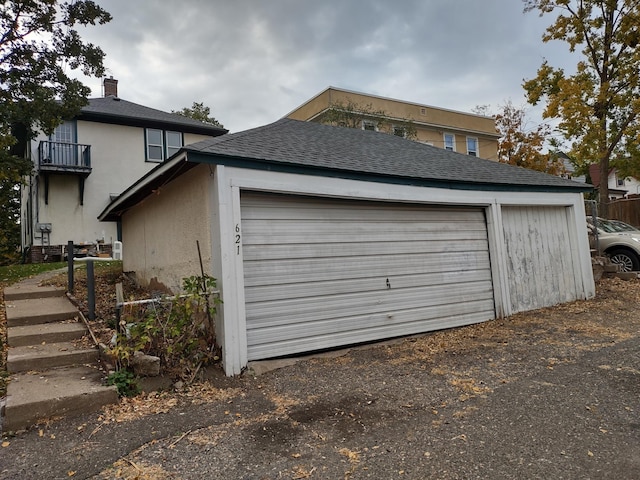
{"x":252,"y":61}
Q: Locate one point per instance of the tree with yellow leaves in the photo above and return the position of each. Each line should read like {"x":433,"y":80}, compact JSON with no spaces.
{"x":598,"y":106}
{"x":523,"y":146}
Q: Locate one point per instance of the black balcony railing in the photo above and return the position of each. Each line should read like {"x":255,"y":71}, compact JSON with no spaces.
{"x":64,"y":157}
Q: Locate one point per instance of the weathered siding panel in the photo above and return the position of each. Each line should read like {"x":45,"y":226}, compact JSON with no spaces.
{"x":324,"y":273}
{"x":540,"y":265}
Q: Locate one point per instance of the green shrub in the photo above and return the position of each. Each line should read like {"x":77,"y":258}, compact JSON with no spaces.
{"x":125,"y":383}
{"x":179,"y":330}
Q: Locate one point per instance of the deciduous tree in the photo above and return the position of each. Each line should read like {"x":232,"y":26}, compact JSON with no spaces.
{"x":39,"y":47}
{"x":353,"y":115}
{"x":199,"y":111}
{"x":522,"y":145}
{"x":598,"y":106}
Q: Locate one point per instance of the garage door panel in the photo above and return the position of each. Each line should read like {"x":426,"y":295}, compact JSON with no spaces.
{"x":278,"y":235}
{"x":273,"y":252}
{"x":316,"y":271}
{"x":310,"y":309}
{"x":381,"y":266}
{"x":394,"y":322}
{"x":298,"y":345}
{"x":539,"y":257}
{"x":273,"y":291}
{"x":337,"y":211}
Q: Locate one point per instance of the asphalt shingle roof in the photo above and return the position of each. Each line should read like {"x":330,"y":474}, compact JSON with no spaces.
{"x":116,"y":110}
{"x":316,"y":149}
{"x":335,"y":149}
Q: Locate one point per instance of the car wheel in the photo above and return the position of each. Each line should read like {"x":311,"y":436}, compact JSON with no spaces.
{"x":628,"y":260}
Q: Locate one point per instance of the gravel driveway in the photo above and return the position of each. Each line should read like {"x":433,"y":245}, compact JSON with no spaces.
{"x":549,"y":394}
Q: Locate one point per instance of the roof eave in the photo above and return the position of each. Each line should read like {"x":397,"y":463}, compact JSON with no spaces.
{"x":145,"y":185}
{"x":197,"y":156}
{"x":115,"y":119}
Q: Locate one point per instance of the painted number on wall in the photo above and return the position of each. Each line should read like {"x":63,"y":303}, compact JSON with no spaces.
{"x":238,"y":239}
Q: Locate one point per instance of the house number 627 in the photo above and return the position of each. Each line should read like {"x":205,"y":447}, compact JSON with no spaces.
{"x":237,"y":239}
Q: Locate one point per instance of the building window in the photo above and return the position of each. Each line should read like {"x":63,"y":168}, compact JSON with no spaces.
{"x":399,"y":131}
{"x":450,"y":142}
{"x":472,"y":146}
{"x":369,"y":125}
{"x":155,"y":146}
{"x":65,"y":133}
{"x":62,"y":150}
{"x":161,"y":144}
{"x":174,"y":143}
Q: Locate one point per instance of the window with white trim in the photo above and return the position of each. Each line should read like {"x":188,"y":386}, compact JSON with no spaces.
{"x":450,"y":142}
{"x":155,"y":145}
{"x":174,"y":142}
{"x":472,"y":146}
{"x":161,"y":145}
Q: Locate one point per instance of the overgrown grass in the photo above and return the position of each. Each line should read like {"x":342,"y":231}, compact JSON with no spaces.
{"x":14,"y":273}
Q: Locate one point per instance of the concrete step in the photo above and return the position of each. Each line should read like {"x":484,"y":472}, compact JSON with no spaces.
{"x":50,"y":355}
{"x":46,"y":332}
{"x":58,"y":392}
{"x":39,"y":310}
{"x":25,"y":291}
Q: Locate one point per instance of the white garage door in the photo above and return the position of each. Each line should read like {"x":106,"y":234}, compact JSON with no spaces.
{"x":323,"y":273}
{"x":540,"y":261}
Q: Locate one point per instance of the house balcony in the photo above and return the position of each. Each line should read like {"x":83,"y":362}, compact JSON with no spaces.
{"x":64,"y":158}
{"x":58,"y":158}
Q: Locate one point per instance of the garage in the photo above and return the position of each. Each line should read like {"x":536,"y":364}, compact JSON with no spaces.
{"x":322,"y":273}
{"x":322,"y":237}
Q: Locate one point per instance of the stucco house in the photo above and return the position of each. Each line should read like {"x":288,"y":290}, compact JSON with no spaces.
{"x":468,"y":133}
{"x":322,"y":236}
{"x":88,"y":161}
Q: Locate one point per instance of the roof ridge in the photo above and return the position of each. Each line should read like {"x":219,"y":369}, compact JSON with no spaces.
{"x":233,"y":136}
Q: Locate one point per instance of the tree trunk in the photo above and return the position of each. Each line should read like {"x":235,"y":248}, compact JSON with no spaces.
{"x":603,"y":189}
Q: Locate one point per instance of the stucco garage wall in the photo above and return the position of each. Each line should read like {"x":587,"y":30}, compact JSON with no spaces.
{"x":160,"y":233}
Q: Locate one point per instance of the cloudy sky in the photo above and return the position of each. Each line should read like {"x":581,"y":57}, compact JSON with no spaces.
{"x":253,"y":61}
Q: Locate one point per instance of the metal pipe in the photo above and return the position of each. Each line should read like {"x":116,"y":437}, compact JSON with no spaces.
{"x":91,"y":291}
{"x":70,"y":266}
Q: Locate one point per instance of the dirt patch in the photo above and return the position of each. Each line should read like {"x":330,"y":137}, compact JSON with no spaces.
{"x":545,"y":394}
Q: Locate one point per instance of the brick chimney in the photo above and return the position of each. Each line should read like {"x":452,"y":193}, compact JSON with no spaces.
{"x":110,"y":86}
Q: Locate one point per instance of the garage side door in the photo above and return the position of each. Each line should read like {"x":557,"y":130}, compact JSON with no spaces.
{"x":323,"y":273}
{"x":539,"y":258}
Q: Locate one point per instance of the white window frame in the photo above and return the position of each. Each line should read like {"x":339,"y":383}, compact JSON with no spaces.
{"x":453,"y":141}
{"x":148,"y":145}
{"x":172,"y":149}
{"x":476,"y":152}
{"x":369,"y":123}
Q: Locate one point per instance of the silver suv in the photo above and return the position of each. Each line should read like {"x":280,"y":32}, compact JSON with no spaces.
{"x":618,"y":240}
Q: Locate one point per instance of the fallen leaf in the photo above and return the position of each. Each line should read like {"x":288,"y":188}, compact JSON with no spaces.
{"x":5,"y":444}
{"x":71,"y":473}
{"x":590,"y":453}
